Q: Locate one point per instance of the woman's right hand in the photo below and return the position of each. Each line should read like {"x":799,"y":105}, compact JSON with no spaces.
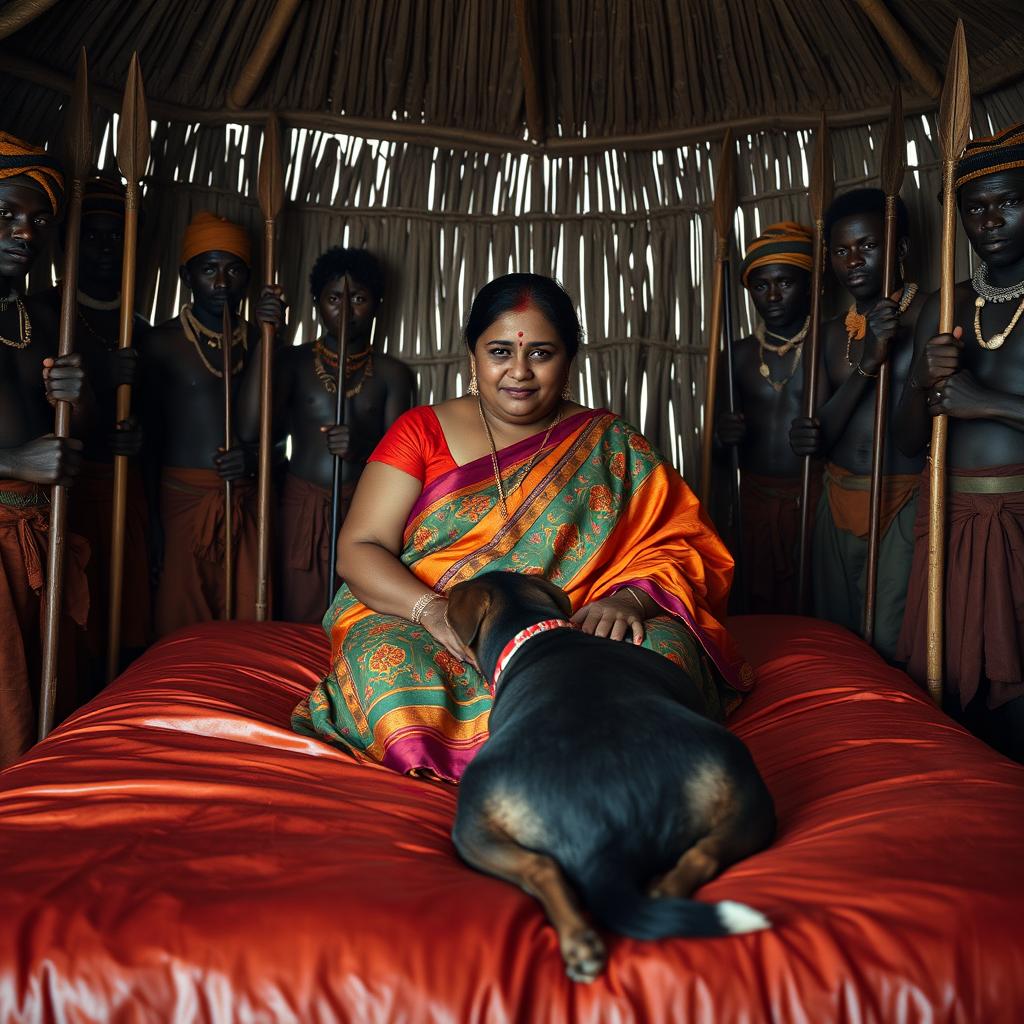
{"x":434,"y":619}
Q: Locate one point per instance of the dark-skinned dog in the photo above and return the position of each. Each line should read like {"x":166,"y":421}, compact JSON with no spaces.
{"x":603,"y":788}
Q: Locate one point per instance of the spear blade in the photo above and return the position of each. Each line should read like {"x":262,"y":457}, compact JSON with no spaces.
{"x":78,"y":123}
{"x":133,"y":127}
{"x":955,"y":105}
{"x":893,"y":166}
{"x":271,"y":175}
{"x":822,"y":173}
{"x":725,"y":189}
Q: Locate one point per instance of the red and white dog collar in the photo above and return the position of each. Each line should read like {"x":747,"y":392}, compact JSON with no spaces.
{"x":509,"y":650}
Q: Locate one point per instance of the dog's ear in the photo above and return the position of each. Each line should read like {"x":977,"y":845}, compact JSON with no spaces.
{"x":468,"y":605}
{"x":556,"y":593}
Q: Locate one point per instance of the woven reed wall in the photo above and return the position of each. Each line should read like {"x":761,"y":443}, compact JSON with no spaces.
{"x":628,"y":233}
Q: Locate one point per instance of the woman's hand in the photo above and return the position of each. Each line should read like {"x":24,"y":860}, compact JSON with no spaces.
{"x":434,"y":618}
{"x":613,"y":617}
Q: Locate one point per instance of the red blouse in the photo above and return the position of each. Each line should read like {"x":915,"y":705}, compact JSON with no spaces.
{"x":416,"y":445}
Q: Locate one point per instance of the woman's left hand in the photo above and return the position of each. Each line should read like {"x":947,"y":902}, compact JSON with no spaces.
{"x":615,"y":617}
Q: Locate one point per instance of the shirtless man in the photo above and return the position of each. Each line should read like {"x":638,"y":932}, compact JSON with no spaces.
{"x":855,"y":346}
{"x":97,"y":326}
{"x":32,"y":378}
{"x":976,"y":377}
{"x":378,"y":390}
{"x":768,"y":375}
{"x":183,"y":408}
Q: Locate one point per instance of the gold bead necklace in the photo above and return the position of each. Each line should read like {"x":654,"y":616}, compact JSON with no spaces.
{"x":24,"y":324}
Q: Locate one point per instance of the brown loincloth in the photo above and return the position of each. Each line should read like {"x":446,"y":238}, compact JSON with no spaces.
{"x":849,"y":498}
{"x":771,"y":540}
{"x":191,"y":585}
{"x":91,"y":516}
{"x":24,"y":529}
{"x":984,"y":606}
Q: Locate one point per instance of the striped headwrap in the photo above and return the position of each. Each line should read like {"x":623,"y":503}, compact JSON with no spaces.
{"x":999,"y":152}
{"x":786,"y":242}
{"x":103,"y":195}
{"x":19,"y":159}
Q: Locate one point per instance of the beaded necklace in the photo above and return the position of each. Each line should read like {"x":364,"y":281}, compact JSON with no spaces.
{"x":361,"y":361}
{"x":213,"y":340}
{"x":762,"y":334}
{"x":857,"y":323}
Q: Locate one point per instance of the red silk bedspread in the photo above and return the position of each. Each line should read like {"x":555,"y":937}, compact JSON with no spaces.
{"x":174,"y":852}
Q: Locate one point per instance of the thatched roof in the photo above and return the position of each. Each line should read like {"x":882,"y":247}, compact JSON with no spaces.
{"x":509,"y":71}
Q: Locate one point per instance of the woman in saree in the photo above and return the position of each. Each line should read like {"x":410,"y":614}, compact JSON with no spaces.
{"x":516,"y":476}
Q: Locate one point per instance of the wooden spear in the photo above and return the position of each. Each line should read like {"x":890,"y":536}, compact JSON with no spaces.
{"x":954,"y":131}
{"x":78,"y":159}
{"x":822,"y":183}
{"x":229,"y":526}
{"x":339,"y":419}
{"x":724,"y":210}
{"x":893,"y":169}
{"x":132,"y":157}
{"x":271,"y":194}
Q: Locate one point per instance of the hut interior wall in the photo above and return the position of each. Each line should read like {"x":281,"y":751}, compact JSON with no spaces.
{"x":628,"y":232}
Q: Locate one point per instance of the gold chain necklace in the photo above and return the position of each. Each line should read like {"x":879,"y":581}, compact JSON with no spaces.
{"x":193,"y":330}
{"x":524,"y":473}
{"x":24,"y":324}
{"x":996,"y":341}
{"x":322,"y":354}
{"x":857,"y":323}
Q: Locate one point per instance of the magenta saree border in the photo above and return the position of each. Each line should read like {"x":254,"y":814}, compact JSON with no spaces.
{"x":676,"y":607}
{"x":481,"y":469}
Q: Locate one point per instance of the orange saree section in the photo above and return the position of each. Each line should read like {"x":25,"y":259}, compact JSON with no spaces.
{"x":176,"y":852}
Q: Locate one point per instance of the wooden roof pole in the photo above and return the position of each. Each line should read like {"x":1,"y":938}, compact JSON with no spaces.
{"x":531,"y":83}
{"x":418,"y":133}
{"x":18,"y":13}
{"x":263,"y":52}
{"x":902,"y":46}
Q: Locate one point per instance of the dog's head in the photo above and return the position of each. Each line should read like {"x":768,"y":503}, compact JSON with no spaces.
{"x":475,"y":603}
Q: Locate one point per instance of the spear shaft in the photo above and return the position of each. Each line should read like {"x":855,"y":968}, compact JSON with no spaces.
{"x":132,"y":157}
{"x":893,"y":168}
{"x":229,"y":524}
{"x":954,"y":130}
{"x":339,"y":419}
{"x":78,"y":135}
{"x":822,"y":179}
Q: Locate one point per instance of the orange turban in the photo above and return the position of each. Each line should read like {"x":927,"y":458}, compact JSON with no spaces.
{"x":209,"y":233}
{"x":21,"y":159}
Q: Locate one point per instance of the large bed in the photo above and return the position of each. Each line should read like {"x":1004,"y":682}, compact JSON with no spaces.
{"x":175,"y":853}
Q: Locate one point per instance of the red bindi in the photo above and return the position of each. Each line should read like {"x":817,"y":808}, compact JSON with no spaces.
{"x":520,"y":334}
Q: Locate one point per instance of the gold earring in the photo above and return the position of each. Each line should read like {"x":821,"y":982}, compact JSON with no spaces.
{"x":566,"y":392}
{"x":474,"y":388}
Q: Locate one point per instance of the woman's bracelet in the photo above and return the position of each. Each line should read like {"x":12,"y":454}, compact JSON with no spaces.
{"x":421,"y":606}
{"x":632,"y":594}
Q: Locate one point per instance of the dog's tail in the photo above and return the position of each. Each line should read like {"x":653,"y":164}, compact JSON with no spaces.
{"x":621,"y":906}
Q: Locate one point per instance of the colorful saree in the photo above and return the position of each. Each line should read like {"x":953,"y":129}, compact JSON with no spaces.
{"x":602,"y":509}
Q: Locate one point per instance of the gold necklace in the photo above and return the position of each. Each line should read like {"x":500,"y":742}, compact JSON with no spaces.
{"x":856,"y":324}
{"x":996,"y":341}
{"x":24,"y":324}
{"x":322,"y":354}
{"x":523,"y":474}
{"x":193,"y":329}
